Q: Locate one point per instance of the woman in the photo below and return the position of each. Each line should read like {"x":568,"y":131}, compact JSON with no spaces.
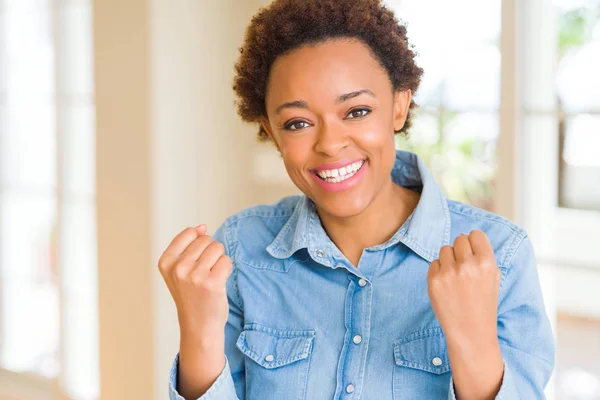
{"x":372,"y":285}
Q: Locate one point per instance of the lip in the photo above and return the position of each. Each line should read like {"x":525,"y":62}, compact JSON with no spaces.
{"x":344,"y":185}
{"x":337,"y":164}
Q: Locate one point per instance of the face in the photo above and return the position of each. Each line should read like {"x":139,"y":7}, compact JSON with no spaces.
{"x":332,"y":113}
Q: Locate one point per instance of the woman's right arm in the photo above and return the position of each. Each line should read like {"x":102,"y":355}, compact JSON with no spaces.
{"x":197,"y":272}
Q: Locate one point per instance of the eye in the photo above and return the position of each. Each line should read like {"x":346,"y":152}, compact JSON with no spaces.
{"x":296,"y":125}
{"x":358,"y":113}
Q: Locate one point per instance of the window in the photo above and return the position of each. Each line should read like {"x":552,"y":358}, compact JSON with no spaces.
{"x":579,"y":106}
{"x":48,"y":307}
{"x":29,"y":199}
{"x":456,"y":125}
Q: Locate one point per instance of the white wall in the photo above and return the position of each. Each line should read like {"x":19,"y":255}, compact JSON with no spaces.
{"x":171,"y":153}
{"x":123,"y":186}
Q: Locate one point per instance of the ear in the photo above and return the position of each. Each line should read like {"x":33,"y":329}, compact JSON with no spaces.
{"x":402,"y":99}
{"x":264,"y":122}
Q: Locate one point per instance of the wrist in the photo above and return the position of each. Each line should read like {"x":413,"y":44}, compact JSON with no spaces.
{"x":473,"y":340}
{"x":472,"y":353}
{"x":204,"y":340}
{"x":205,"y":353}
{"x":477,"y":368}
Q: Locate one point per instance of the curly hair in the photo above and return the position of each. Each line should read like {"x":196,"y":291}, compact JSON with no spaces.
{"x":287,"y":25}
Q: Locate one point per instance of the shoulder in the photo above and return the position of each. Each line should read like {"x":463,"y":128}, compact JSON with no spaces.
{"x":259,"y":225}
{"x":505,"y":236}
{"x":264,"y":214}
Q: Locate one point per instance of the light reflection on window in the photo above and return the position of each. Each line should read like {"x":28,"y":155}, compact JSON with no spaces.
{"x":579,"y":104}
{"x":456,"y":126}
{"x":48,"y":296}
{"x":28,"y":279}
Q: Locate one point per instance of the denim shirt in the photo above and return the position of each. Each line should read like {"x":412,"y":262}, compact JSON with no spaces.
{"x":304,"y":323}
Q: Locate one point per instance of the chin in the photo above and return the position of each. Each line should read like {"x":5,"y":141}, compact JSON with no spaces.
{"x":341,"y":206}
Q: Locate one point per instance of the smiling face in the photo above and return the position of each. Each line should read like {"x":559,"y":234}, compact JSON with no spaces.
{"x":332,"y":114}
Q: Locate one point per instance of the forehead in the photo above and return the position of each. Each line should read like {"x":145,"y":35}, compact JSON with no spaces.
{"x":324,"y":71}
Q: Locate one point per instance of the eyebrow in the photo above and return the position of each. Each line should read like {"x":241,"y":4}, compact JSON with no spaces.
{"x":293,"y":104}
{"x":342,"y":98}
{"x":351,"y":95}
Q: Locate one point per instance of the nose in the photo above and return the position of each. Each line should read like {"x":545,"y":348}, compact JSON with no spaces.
{"x":331,"y":139}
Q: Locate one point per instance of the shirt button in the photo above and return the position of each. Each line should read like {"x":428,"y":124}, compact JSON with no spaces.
{"x":362,"y":282}
{"x":436,"y":361}
{"x":357,"y":339}
{"x":320,"y":253}
{"x":269,"y":358}
{"x":350,"y":388}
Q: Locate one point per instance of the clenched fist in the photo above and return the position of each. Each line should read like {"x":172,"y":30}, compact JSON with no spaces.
{"x":195,"y":269}
{"x":463,"y":287}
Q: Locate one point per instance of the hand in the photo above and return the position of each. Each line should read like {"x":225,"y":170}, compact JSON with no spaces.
{"x":195,"y":269}
{"x":463,"y":287}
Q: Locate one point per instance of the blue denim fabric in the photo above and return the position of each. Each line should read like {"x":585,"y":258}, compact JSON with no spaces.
{"x":297,"y":305}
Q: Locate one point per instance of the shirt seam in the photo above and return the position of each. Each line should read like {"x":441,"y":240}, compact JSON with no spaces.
{"x":275,"y":210}
{"x":515,"y":245}
{"x":515,"y":229}
{"x":231,"y":248}
{"x":507,"y":263}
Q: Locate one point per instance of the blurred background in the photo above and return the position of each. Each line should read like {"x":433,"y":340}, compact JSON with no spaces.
{"x":117,"y":130}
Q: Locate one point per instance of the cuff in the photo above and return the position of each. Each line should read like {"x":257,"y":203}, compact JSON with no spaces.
{"x":222,"y":389}
{"x":507,"y":391}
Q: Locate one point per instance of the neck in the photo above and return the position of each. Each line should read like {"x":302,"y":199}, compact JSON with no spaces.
{"x":375,"y":225}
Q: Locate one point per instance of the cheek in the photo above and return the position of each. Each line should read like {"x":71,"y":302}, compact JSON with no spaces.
{"x":295,"y":151}
{"x":375,"y":138}
{"x":377,"y":134}
{"x":297,"y":173}
{"x":295,"y":154}
{"x":379,"y":140}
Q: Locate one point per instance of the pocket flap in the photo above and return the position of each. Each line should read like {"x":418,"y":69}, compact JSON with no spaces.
{"x":273,"y":348}
{"x":425,"y":350}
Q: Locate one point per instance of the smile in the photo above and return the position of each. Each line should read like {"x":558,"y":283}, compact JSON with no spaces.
{"x":340,"y":174}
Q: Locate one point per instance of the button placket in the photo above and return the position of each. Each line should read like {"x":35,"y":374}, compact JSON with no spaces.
{"x":357,"y":303}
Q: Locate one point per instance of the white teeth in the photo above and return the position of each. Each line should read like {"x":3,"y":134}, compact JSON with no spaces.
{"x":341,"y":174}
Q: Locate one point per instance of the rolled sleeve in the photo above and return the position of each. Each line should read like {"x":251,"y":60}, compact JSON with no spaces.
{"x":508,"y":389}
{"x":524,"y":331}
{"x":222,"y":389}
{"x":233,"y":375}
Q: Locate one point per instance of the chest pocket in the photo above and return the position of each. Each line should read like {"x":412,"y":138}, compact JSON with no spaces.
{"x":421,"y":363}
{"x":277,"y":361}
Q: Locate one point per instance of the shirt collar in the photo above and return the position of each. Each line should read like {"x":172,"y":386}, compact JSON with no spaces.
{"x":425,"y":231}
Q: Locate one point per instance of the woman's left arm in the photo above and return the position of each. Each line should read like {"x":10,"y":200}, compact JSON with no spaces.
{"x":498,"y":349}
